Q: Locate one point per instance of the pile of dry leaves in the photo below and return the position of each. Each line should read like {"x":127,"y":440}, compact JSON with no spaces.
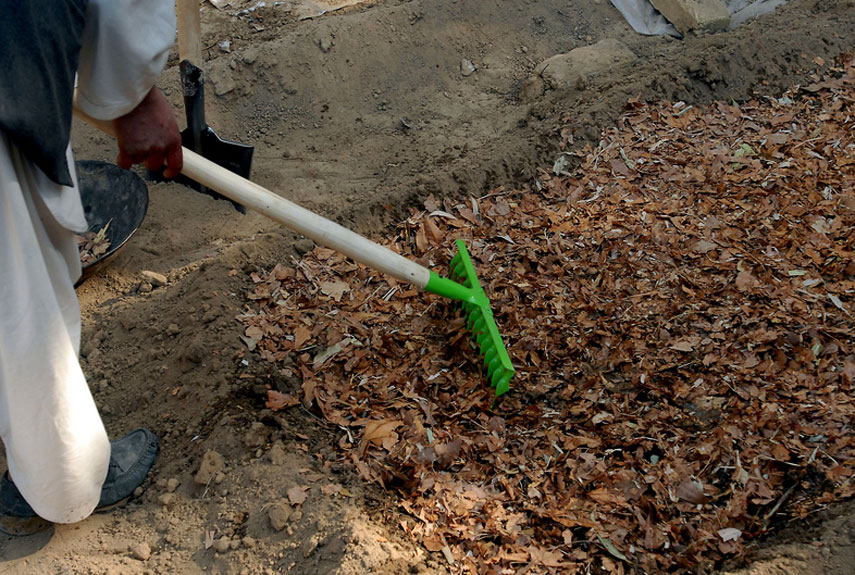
{"x":92,"y":245}
{"x":680,"y":312}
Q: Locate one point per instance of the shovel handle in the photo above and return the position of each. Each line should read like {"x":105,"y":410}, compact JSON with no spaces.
{"x":293,"y":216}
{"x":189,"y":31}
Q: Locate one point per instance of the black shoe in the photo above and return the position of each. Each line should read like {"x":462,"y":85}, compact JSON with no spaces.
{"x":131,"y":458}
{"x":23,"y":526}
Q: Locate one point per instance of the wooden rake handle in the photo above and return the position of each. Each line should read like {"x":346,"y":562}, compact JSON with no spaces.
{"x":292,"y":216}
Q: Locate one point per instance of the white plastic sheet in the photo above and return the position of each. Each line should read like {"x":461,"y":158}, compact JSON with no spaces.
{"x":645,"y":19}
{"x":743,"y":10}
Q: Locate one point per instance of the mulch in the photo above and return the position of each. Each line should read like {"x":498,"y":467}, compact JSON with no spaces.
{"x":679,"y":310}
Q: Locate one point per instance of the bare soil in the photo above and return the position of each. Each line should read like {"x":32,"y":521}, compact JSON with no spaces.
{"x":358,"y":114}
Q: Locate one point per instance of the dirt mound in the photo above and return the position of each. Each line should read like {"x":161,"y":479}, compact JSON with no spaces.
{"x":671,"y":308}
{"x":359,"y":114}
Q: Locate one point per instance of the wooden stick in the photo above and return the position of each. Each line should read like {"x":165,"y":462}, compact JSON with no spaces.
{"x":189,"y":31}
{"x":292,"y":216}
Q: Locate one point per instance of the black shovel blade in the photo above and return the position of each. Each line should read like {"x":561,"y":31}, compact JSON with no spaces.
{"x":233,"y":156}
{"x":200,"y":138}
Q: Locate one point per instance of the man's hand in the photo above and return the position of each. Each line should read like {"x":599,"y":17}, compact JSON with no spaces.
{"x":149,"y":135}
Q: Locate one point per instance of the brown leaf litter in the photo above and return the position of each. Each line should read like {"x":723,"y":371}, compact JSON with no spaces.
{"x":92,"y":245}
{"x":679,"y":310}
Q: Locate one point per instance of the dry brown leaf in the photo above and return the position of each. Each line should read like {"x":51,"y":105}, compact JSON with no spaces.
{"x":254,"y":332}
{"x":745,"y":280}
{"x":703,"y":246}
{"x":677,"y":319}
{"x":301,"y":337}
{"x":335,"y":289}
{"x":297,"y":495}
{"x":433,"y":543}
{"x":433,"y":232}
{"x":690,"y":491}
{"x":545,"y":557}
{"x":331,"y":489}
{"x":684,"y":344}
{"x":603,"y":495}
{"x":277,"y":401}
{"x":381,"y":433}
{"x":421,"y":239}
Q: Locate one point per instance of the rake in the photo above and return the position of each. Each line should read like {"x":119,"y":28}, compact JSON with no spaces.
{"x":464,"y":287}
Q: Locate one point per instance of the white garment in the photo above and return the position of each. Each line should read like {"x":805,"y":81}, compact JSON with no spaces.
{"x":56,"y":446}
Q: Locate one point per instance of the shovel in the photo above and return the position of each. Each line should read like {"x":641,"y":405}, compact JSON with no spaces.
{"x":465,"y":287}
{"x":198,"y":136}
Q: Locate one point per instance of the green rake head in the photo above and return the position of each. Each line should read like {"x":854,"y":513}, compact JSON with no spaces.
{"x":480,"y":319}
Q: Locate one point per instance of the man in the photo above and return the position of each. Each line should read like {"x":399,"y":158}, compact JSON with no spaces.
{"x":61,"y":464}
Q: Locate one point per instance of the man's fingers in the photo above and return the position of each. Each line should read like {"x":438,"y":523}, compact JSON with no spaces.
{"x":149,"y":134}
{"x":123,"y":161}
{"x":174,"y":161}
{"x":154,"y":161}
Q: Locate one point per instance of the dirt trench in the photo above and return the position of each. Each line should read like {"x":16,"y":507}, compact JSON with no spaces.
{"x":359,"y":114}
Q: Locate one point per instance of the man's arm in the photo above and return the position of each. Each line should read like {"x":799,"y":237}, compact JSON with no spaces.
{"x":125,"y":47}
{"x":149,"y":135}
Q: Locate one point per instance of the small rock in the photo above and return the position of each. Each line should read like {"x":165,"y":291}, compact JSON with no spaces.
{"x":145,"y":287}
{"x":279,"y":515}
{"x":309,"y":546}
{"x":94,"y":355}
{"x":172,"y":485}
{"x":222,"y":544}
{"x":220,"y":75}
{"x":212,"y":463}
{"x":250,"y":55}
{"x":570,"y":71}
{"x":697,"y":16}
{"x":532,"y":88}
{"x":256,"y":436}
{"x":467,"y":68}
{"x":173,"y":329}
{"x":141,"y":551}
{"x":304,"y":246}
{"x":166,"y":499}
{"x":154,"y":278}
{"x":277,"y":454}
{"x":249,"y":542}
{"x":89,"y":345}
{"x":325,"y":44}
{"x":196,"y":353}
